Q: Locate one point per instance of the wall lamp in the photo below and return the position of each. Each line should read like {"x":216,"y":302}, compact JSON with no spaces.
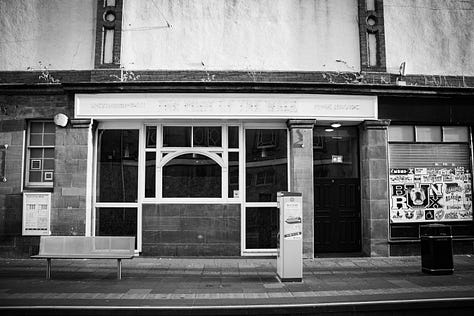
{"x":61,"y":119}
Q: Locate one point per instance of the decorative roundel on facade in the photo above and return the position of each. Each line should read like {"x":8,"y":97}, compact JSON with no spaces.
{"x":109,"y":16}
{"x":371,"y":20}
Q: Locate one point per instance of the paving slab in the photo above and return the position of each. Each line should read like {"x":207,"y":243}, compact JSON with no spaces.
{"x":191,"y":284}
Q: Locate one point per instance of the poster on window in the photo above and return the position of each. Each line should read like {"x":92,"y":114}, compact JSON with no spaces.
{"x":430,"y":194}
{"x":36,"y":214}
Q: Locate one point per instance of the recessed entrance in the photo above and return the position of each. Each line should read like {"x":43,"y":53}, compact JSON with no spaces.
{"x":336,"y":190}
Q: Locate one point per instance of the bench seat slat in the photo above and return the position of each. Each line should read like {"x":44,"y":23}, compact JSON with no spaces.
{"x":83,"y":256}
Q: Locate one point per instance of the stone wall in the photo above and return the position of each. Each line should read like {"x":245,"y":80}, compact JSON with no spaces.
{"x":374,"y":186}
{"x":68,"y":193}
{"x":191,"y":230}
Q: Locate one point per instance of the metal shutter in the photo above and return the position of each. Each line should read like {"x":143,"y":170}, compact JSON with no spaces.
{"x":427,"y":155}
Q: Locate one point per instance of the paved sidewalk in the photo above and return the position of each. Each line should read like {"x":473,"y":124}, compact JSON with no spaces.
{"x":238,"y":284}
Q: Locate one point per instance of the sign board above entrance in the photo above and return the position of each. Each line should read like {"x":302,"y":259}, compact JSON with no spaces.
{"x":225,"y":106}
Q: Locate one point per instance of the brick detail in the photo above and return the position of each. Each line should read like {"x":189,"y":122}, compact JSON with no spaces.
{"x":102,"y":24}
{"x":191,"y":230}
{"x":377,"y":29}
{"x":15,"y":81}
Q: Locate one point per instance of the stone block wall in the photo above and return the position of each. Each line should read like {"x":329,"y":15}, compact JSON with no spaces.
{"x":374,"y":186}
{"x":191,"y":230}
{"x":68,"y":212}
{"x":68,"y":193}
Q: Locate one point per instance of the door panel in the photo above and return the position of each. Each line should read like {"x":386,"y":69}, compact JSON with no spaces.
{"x":337,"y":215}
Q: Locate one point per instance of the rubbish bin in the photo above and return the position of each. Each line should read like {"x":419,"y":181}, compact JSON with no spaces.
{"x":436,"y":249}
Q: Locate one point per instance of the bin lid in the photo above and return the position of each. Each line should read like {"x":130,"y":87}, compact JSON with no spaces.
{"x":435,"y":229}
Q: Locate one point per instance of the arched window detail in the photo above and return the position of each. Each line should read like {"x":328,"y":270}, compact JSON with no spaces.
{"x":192,"y":175}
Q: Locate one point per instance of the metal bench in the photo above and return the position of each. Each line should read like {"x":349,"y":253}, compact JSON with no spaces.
{"x":81,"y":247}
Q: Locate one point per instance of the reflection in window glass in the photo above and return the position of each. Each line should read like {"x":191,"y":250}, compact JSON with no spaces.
{"x":150,"y":175}
{"x":401,"y":134}
{"x":233,"y":136}
{"x":204,"y":136}
{"x":176,"y":136}
{"x":335,"y":154}
{"x":192,"y":175}
{"x":428,"y":133}
{"x":116,"y":222}
{"x":455,"y":134}
{"x":261,"y":227}
{"x":234,"y":175}
{"x":117,"y":166}
{"x":266,"y":152}
{"x":41,"y":142}
{"x":151,"y":137}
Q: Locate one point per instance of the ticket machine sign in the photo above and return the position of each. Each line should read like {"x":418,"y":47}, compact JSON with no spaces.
{"x":292,"y":228}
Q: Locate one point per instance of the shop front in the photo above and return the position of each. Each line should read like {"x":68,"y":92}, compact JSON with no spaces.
{"x":198,"y":174}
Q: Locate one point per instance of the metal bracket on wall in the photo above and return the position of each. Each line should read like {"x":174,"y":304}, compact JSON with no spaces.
{"x":3,"y":162}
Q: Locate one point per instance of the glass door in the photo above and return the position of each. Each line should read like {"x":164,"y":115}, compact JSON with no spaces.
{"x":116,"y":211}
{"x":266,"y":173}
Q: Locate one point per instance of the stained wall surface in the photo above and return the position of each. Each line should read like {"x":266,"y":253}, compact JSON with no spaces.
{"x":434,"y":37}
{"x":59,"y":34}
{"x":304,"y":35}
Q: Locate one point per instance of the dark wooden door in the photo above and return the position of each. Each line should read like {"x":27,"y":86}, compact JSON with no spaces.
{"x":337,"y":215}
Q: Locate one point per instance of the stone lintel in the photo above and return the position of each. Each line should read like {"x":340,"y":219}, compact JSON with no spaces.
{"x":375,"y":124}
{"x":300,"y":124}
{"x":80,"y":123}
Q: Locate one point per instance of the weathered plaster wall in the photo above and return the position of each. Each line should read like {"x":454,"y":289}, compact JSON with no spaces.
{"x":431,"y":36}
{"x":240,"y":34}
{"x":56,"y":32}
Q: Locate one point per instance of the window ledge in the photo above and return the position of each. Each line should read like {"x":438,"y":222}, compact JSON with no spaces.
{"x":414,"y":241}
{"x":38,"y":189}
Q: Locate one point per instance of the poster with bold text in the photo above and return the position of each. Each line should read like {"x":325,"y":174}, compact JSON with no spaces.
{"x":430,"y":194}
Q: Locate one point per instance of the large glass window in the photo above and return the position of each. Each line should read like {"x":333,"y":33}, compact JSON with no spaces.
{"x":266,"y":156}
{"x":40,"y":153}
{"x":262,"y":226}
{"x":204,"y":164}
{"x":117,"y":166}
{"x":192,"y":175}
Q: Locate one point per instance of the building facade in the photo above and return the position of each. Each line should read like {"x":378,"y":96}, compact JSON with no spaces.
{"x":177,"y":122}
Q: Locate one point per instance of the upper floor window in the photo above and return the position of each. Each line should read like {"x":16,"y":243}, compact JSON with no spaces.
{"x":41,"y":141}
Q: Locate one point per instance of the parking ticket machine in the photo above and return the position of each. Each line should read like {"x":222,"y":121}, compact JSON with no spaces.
{"x":290,"y":239}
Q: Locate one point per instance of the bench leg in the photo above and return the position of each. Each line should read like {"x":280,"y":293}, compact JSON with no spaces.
{"x":48,"y":268}
{"x":119,"y":269}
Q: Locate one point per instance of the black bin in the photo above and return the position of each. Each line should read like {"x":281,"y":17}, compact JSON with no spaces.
{"x":436,"y":249}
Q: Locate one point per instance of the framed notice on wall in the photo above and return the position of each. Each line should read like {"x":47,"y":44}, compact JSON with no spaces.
{"x":36,"y":214}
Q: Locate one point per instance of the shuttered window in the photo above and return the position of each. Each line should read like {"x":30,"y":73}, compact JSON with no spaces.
{"x":436,"y":162}
{"x":427,"y":155}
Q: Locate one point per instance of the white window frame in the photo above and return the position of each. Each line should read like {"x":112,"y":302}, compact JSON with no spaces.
{"x":42,"y":184}
{"x":211,"y":152}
